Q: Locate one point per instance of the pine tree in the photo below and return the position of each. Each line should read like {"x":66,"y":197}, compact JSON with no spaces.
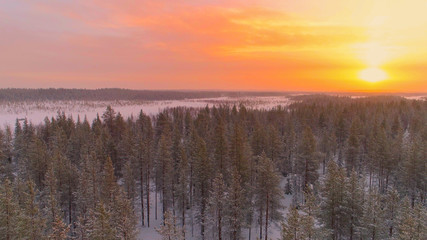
{"x":235,"y":200}
{"x":164,"y":168}
{"x":354,"y":195}
{"x":268,"y":192}
{"x":292,"y":229}
{"x":100,"y":224}
{"x":289,"y":149}
{"x":123,"y":217}
{"x":88,"y":190}
{"x":9,"y":212}
{"x":216,"y":205}
{"x":182,"y":191}
{"x":57,"y":228}
{"x":391,"y":209}
{"x":202,"y":180}
{"x":221,"y":146}
{"x":274,"y":146}
{"x":6,"y":164}
{"x":240,"y":152}
{"x":308,"y":219}
{"x":352,"y":155}
{"x":373,"y":217}
{"x":414,"y":170}
{"x":32,"y":223}
{"x":332,"y":208}
{"x":307,"y":163}
{"x":145,"y":148}
{"x":169,"y":230}
{"x":109,"y":183}
{"x":382,"y":158}
{"x":412,"y":222}
{"x":129,"y":180}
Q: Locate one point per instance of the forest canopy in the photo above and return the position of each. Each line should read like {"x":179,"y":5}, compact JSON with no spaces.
{"x":354,"y":169}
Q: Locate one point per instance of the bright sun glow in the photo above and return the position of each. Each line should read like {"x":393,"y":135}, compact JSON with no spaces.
{"x":372,"y":75}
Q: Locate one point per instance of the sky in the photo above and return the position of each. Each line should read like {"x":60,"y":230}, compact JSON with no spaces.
{"x":286,"y":45}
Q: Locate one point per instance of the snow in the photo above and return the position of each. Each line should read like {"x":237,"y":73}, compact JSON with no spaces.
{"x":36,"y":112}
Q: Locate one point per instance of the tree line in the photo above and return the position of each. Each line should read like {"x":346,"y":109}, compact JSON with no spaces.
{"x":354,"y":169}
{"x":114,"y":94}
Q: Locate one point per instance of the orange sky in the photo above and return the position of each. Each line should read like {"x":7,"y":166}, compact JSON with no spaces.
{"x":282,"y":45}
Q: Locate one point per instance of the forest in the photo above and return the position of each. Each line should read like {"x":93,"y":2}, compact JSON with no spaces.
{"x":354,"y":168}
{"x":114,"y":94}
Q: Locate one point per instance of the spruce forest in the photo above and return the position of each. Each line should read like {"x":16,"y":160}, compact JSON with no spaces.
{"x":322,"y":167}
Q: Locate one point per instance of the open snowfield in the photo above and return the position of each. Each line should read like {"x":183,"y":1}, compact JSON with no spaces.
{"x":36,"y":112}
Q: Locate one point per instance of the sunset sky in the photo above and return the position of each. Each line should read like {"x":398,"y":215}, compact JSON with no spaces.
{"x":281,"y":45}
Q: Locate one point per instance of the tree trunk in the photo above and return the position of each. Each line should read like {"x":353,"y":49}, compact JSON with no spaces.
{"x":219,"y":225}
{"x":260,"y":223}
{"x":164,"y":207}
{"x":183,"y":214}
{"x":202,"y":213}
{"x":142,"y":195}
{"x":155,"y":202}
{"x":266,"y":218}
{"x":70,"y":206}
{"x":148,"y":195}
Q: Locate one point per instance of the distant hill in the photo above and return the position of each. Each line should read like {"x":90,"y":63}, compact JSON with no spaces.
{"x":112,"y":94}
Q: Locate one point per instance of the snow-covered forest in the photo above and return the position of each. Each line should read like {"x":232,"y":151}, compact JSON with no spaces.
{"x":321,"y":167}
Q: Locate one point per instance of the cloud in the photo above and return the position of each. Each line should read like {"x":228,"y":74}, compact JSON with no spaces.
{"x":172,"y":43}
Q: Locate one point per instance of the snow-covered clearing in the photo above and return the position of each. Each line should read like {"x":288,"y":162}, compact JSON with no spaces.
{"x":36,"y":112}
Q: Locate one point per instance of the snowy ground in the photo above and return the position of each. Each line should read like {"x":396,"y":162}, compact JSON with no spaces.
{"x":36,"y":112}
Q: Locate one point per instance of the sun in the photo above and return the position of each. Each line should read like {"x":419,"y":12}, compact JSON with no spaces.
{"x":373,"y":75}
